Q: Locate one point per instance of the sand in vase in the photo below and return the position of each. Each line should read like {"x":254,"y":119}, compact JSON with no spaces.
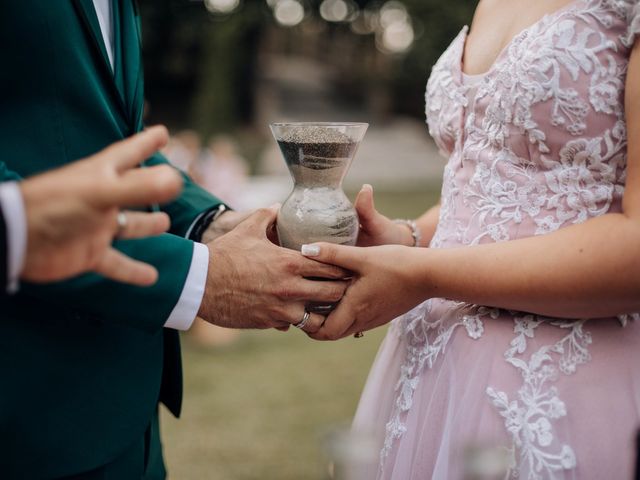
{"x":317,"y":209}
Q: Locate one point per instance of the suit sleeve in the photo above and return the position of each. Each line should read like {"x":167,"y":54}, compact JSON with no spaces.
{"x":146,"y":308}
{"x":94,"y":297}
{"x":192,"y":203}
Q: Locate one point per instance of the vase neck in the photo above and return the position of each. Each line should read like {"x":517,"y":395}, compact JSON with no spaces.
{"x":318,"y":164}
{"x":310,"y":177}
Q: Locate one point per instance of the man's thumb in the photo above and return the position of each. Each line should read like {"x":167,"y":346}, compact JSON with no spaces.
{"x":261,"y":219}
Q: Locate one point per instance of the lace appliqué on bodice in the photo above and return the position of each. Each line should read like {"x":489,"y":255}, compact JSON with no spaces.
{"x":537,"y":145}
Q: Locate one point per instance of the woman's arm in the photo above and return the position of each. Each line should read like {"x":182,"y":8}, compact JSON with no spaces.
{"x":586,"y":270}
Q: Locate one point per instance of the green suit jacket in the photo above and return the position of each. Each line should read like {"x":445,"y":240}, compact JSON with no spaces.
{"x":83,"y":363}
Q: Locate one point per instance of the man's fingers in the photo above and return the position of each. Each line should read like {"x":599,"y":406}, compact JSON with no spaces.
{"x":144,"y":186}
{"x":260,"y":221}
{"x":297,"y":313}
{"x":321,"y":291}
{"x":349,"y":258}
{"x":141,"y":224}
{"x":311,"y":268}
{"x":314,"y":323}
{"x":117,"y":266}
{"x":134,"y":150}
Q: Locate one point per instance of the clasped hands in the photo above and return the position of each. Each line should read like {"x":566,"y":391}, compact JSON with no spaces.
{"x":252,"y":283}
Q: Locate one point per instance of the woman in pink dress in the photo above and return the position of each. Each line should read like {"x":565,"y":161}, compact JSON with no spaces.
{"x":520,"y":335}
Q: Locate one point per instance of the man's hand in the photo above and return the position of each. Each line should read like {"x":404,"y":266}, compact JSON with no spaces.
{"x":253,"y":283}
{"x":224,"y":224}
{"x":72,"y":212}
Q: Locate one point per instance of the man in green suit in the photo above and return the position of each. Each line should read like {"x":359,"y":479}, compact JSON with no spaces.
{"x":84,"y":363}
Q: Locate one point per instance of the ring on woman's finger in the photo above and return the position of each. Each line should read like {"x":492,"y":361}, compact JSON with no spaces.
{"x":305,"y":319}
{"x":122,"y":222}
{"x":358,"y":335}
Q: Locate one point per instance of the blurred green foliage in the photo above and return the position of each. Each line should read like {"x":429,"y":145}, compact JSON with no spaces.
{"x":437,"y":24}
{"x":202,"y":69}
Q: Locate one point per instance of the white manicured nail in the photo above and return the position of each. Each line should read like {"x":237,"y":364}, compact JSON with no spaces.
{"x":310,"y":250}
{"x":276,"y":205}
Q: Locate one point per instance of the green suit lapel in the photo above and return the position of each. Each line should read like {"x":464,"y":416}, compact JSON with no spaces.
{"x":89,"y":19}
{"x":129,"y":62}
{"x":118,"y":63}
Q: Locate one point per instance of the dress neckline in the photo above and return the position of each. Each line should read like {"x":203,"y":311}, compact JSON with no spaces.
{"x":464,"y":34}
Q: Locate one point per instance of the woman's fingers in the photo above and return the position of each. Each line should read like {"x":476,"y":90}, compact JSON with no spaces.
{"x":142,"y":224}
{"x":314,"y":269}
{"x":323,"y":291}
{"x":117,"y":266}
{"x":349,"y":258}
{"x":365,"y":206}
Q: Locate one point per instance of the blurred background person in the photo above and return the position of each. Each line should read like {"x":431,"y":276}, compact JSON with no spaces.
{"x":220,"y":168}
{"x":183,"y":149}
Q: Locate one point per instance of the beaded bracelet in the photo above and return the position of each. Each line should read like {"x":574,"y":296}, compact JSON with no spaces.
{"x":415,"y":230}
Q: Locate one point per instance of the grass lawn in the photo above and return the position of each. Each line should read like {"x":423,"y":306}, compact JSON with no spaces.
{"x":258,"y":409}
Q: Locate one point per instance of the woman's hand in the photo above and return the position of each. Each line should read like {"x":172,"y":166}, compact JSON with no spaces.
{"x":376,"y":229}
{"x":386,"y":283}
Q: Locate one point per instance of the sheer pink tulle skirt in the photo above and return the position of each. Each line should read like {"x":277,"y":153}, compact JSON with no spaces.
{"x":554,"y":419}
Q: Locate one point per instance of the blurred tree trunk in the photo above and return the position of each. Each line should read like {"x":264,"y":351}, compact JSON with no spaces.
{"x":223,"y":97}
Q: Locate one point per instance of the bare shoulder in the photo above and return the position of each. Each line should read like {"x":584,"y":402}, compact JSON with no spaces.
{"x":485,"y":13}
{"x":486,"y":8}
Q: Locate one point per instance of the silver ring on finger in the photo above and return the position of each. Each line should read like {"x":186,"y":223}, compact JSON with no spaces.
{"x":305,"y":319}
{"x":122,"y":222}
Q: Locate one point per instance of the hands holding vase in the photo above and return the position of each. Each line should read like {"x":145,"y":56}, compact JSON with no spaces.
{"x":387,"y":280}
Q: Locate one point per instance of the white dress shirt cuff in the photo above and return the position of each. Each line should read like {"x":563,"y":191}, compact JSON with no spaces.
{"x":186,"y":310}
{"x":15,"y":217}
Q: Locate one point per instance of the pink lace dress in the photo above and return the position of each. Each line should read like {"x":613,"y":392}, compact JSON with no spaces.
{"x":536,"y":144}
